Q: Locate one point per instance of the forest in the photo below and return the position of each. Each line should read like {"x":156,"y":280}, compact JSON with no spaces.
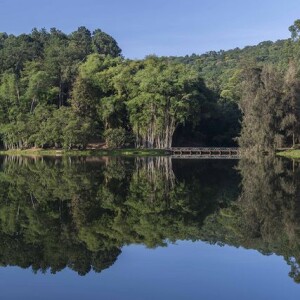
{"x":66,"y":91}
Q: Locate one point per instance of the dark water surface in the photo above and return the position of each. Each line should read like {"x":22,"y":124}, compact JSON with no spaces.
{"x":149,"y":228}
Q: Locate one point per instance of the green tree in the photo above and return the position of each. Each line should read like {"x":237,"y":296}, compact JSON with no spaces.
{"x":105,"y":44}
{"x":261,"y":104}
{"x":165,"y":95}
{"x":295,"y":30}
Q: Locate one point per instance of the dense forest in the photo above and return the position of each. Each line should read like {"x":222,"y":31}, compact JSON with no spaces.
{"x":68,"y":90}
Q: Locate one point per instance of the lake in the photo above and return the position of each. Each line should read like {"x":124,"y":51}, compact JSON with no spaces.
{"x":149,"y":228}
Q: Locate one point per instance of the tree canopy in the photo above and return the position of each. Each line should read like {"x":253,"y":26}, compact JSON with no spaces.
{"x":81,"y":88}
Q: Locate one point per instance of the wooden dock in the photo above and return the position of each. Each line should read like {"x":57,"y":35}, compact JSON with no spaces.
{"x":205,"y":152}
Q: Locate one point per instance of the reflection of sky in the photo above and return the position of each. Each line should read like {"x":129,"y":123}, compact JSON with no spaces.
{"x":168,"y":27}
{"x":182,"y":271}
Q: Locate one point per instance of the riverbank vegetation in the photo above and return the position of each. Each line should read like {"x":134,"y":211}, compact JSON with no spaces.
{"x":66,"y":91}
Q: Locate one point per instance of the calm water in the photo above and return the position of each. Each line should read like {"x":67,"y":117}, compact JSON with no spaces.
{"x":155,"y":228}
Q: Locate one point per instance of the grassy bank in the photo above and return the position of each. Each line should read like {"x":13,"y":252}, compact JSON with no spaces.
{"x":295,"y":154}
{"x":106,"y":152}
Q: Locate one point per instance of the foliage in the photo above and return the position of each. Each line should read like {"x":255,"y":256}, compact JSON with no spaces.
{"x":38,"y":81}
{"x":269,"y":104}
{"x":115,"y":137}
{"x":198,"y":100}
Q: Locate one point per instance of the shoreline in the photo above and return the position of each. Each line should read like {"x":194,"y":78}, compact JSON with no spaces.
{"x":291,"y":153}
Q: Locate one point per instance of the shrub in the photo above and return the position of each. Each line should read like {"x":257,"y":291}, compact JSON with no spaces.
{"x":115,"y":137}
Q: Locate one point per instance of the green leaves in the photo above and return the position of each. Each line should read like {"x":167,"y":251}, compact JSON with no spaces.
{"x":105,"y":44}
{"x":115,"y":137}
{"x":271,"y":108}
{"x":150,"y":97}
{"x":295,"y":30}
{"x":39,"y":70}
{"x":164,"y":96}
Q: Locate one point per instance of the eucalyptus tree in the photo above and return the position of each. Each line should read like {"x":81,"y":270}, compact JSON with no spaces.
{"x":150,"y":97}
{"x":9,"y":96}
{"x":290,"y":122}
{"x":95,"y":94}
{"x":15,"y":51}
{"x":262,"y":111}
{"x":165,"y":95}
{"x":56,"y":62}
{"x":295,"y":30}
{"x":103,"y":43}
{"x":37,"y":85}
{"x":270,"y":106}
{"x":80,"y":43}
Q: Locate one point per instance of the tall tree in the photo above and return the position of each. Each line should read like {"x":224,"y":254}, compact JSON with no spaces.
{"x":261,"y":104}
{"x":290,"y":123}
{"x":166,"y":95}
{"x":105,"y":44}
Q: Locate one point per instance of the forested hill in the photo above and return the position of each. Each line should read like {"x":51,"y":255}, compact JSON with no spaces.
{"x":223,"y":73}
{"x":220,"y":68}
{"x":67,"y":90}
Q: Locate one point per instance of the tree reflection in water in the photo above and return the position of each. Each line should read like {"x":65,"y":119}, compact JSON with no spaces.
{"x":79,"y":213}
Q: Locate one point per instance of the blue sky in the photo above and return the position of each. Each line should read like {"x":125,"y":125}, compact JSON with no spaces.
{"x":185,"y":270}
{"x":162,"y":27}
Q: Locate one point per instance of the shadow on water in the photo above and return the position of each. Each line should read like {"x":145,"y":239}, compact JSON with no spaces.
{"x":80,"y":212}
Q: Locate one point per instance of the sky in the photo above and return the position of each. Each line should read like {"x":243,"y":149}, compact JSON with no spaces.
{"x":185,"y":270}
{"x":161,"y":27}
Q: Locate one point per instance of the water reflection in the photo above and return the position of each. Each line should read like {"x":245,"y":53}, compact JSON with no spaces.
{"x":79,"y":213}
